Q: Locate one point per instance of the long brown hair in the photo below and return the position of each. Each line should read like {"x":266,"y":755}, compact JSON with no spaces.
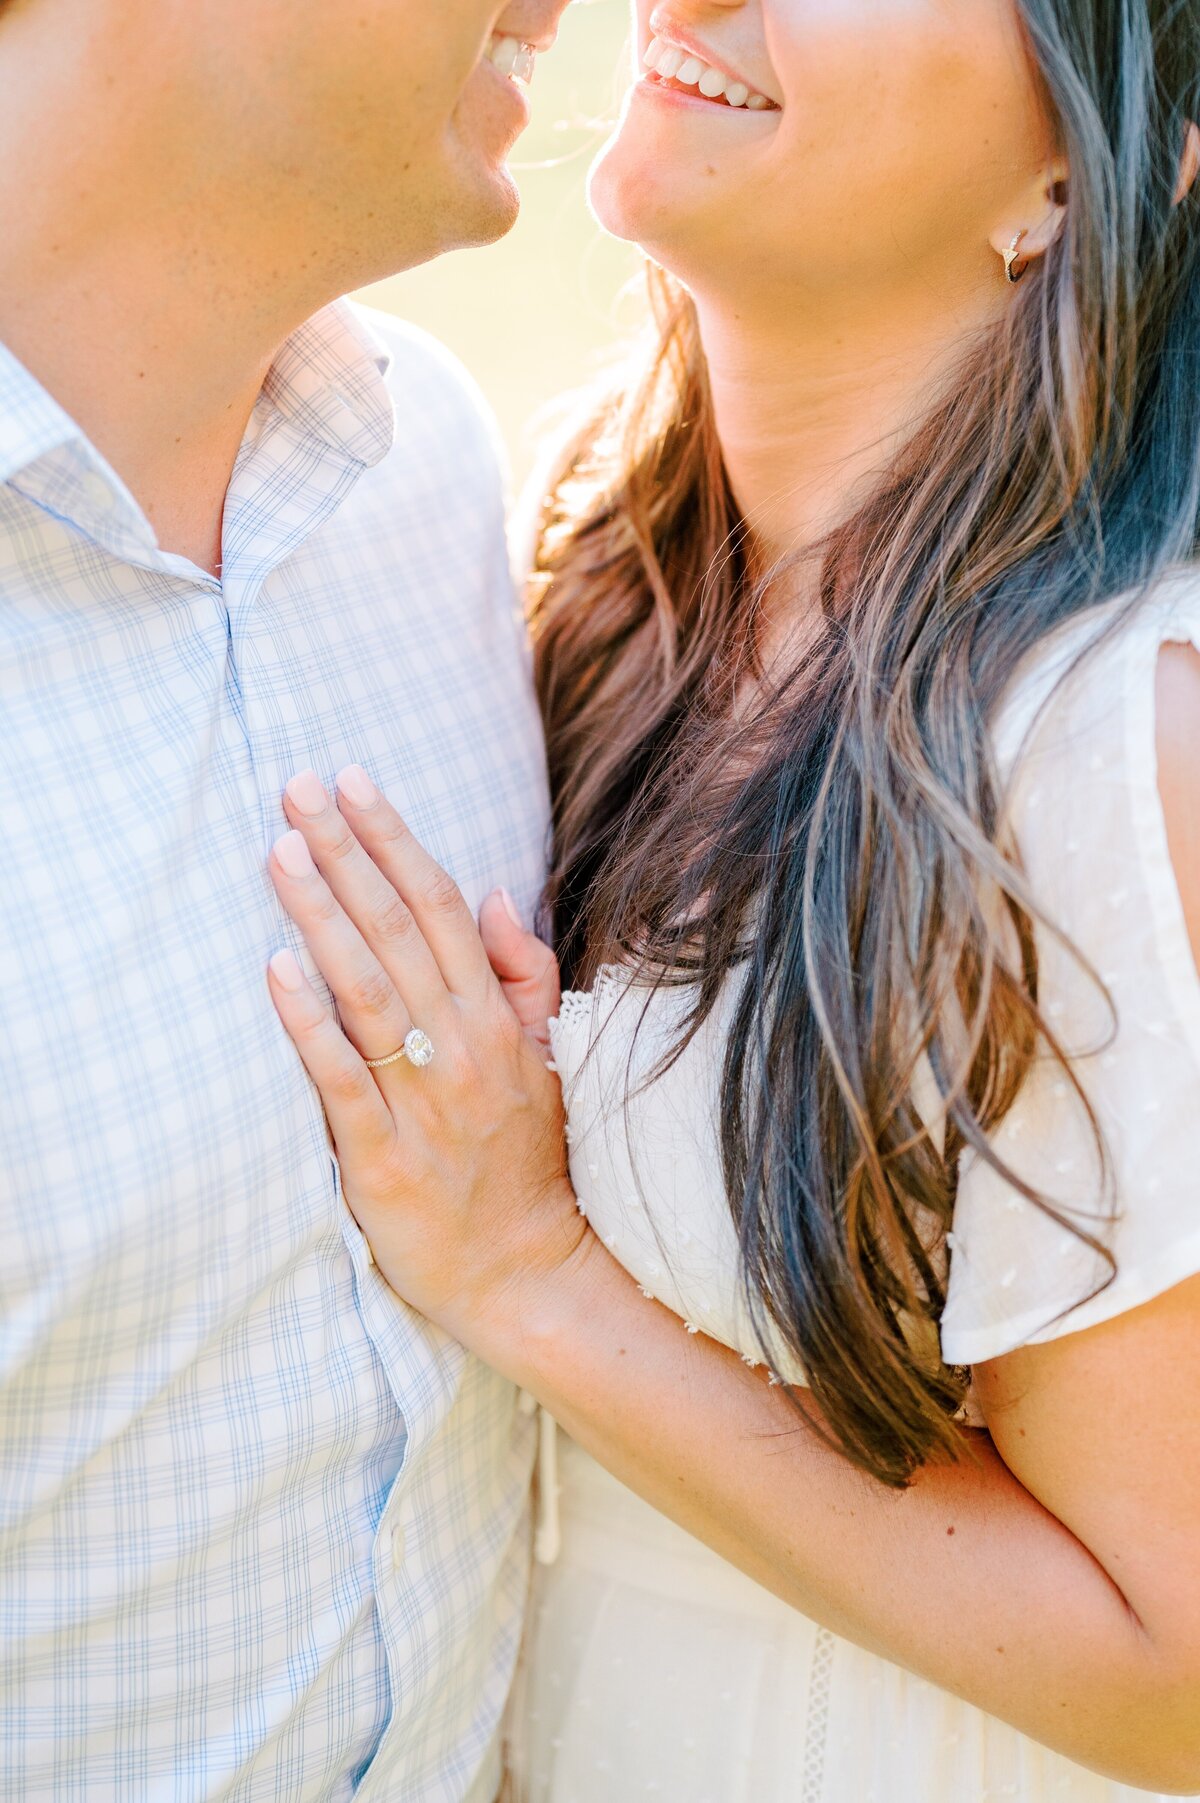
{"x":844,"y":850}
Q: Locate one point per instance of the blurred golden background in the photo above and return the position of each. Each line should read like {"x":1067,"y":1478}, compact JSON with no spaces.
{"x":539,"y":314}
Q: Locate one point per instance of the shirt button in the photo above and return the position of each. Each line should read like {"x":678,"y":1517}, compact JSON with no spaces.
{"x":397,"y":1545}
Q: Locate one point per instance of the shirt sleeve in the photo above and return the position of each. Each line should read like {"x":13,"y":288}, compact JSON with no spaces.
{"x":1123,"y":1218}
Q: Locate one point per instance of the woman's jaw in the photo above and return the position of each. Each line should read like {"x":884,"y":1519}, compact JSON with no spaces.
{"x":821,"y":157}
{"x":837,"y":251}
{"x":686,"y":127}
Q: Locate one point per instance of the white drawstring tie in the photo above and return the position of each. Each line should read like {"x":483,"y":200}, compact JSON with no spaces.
{"x":547,"y":1537}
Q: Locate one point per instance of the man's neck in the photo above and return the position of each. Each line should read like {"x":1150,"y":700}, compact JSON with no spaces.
{"x":161,"y":370}
{"x":137,"y":281}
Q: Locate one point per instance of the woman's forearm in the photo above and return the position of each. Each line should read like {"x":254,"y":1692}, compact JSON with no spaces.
{"x":964,"y":1578}
{"x":1088,"y":1640}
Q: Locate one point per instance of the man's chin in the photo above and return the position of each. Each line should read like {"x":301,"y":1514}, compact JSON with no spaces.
{"x":490,"y":209}
{"x":488,"y":124}
{"x":469,"y":215}
{"x":503,"y":209}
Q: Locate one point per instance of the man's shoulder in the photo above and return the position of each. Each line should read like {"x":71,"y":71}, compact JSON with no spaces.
{"x":441,"y":412}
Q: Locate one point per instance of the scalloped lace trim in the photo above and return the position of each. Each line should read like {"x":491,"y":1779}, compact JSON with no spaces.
{"x":578,"y":1007}
{"x":581,"y":1014}
{"x":575,"y":1009}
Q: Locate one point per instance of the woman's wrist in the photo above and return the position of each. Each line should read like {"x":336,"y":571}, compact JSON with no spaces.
{"x":545,"y":1310}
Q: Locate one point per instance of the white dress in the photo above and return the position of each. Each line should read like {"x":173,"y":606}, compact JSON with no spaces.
{"x":652,"y":1667}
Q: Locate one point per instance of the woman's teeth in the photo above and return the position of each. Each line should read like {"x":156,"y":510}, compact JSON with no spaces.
{"x":512,"y":58}
{"x":671,"y":64}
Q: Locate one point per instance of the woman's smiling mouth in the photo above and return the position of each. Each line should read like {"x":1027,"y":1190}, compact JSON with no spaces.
{"x":680,"y":70}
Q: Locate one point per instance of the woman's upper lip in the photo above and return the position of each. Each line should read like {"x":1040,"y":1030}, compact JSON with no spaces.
{"x":662,"y":25}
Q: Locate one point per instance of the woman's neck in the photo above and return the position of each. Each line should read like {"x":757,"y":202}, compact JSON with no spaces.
{"x":810,"y":411}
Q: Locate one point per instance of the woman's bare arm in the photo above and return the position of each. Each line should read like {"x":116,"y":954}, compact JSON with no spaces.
{"x":1053,"y":1581}
{"x":1056,"y":1586}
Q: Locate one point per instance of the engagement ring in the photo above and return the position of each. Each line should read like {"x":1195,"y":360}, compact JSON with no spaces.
{"x":417,"y":1048}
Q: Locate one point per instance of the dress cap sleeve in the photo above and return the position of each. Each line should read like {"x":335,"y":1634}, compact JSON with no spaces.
{"x":1078,"y":740}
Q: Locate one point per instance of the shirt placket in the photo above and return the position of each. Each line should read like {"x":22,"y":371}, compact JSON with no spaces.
{"x":423,"y":1367}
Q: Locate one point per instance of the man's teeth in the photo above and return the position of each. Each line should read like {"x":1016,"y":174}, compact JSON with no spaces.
{"x":513,"y":58}
{"x":673,"y":64}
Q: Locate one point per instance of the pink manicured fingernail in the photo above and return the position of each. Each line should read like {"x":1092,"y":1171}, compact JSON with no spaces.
{"x":285,"y":968}
{"x":357,"y":787}
{"x":306,"y":793}
{"x":293,"y":855}
{"x":510,"y":908}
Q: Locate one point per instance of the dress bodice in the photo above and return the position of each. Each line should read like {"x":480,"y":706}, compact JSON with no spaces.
{"x":653,"y":1667}
{"x":1076,"y":741}
{"x":645,"y":1151}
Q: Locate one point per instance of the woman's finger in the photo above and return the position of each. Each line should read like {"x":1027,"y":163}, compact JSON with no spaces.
{"x":370,"y":1005}
{"x":446,"y":922}
{"x":362,"y":1127}
{"x":527,"y":969}
{"x":367,"y":898}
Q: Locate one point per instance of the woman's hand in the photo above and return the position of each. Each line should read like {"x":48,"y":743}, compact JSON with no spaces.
{"x":527,"y":969}
{"x":456,"y":1171}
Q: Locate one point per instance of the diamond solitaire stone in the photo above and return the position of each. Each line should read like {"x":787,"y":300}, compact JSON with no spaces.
{"x":418,"y":1048}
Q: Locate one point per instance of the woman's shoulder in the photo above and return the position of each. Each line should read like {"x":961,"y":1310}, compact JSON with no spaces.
{"x":1080,"y":743}
{"x":1083,"y":675}
{"x":1117,"y":983}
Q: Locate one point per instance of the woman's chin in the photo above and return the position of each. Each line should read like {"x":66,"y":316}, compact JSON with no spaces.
{"x":633,"y":199}
{"x":608,"y":191}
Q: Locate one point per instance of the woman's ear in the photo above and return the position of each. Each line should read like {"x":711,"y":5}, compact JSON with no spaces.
{"x":1189,"y":163}
{"x":1046,"y":216}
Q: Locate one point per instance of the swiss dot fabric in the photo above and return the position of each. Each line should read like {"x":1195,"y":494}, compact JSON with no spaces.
{"x":652,"y":1667}
{"x":1089,"y":821}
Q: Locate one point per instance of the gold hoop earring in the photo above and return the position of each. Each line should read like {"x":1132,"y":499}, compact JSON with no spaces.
{"x":1010,"y":259}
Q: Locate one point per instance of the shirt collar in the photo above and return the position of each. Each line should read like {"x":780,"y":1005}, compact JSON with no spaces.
{"x":46,"y":457}
{"x":327,"y":381}
{"x":31,"y":421}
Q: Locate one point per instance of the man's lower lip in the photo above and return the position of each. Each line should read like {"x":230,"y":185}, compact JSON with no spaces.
{"x":519,"y":95}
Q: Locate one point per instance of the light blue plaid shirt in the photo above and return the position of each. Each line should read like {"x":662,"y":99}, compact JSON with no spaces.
{"x":263,"y":1532}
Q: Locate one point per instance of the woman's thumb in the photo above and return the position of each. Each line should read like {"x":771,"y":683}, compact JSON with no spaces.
{"x":527,"y":969}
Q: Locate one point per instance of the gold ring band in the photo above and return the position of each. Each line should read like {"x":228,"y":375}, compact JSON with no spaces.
{"x":417,"y":1048}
